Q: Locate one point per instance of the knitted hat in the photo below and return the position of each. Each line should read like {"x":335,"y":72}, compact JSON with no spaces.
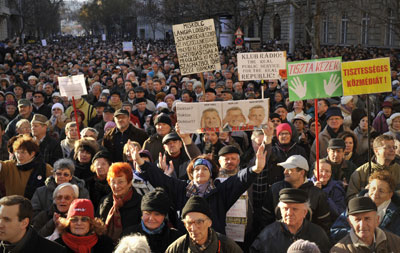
{"x":333,"y":111}
{"x":346,"y":99}
{"x":145,"y":153}
{"x":163,"y":118}
{"x":303,"y":246}
{"x":283,"y":127}
{"x":81,"y":207}
{"x":392,"y":117}
{"x":169,"y":96}
{"x":108,"y":125}
{"x":196,"y":204}
{"x":387,"y":104}
{"x":156,"y":200}
{"x":59,"y":106}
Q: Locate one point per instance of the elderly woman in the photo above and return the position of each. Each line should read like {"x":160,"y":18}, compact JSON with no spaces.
{"x":63,"y":172}
{"x":23,"y":126}
{"x":202,"y":172}
{"x":121,"y":208}
{"x":394,"y":126}
{"x":68,"y":144}
{"x":155,"y":206}
{"x":58,"y":120}
{"x":84,"y":151}
{"x":46,"y":221}
{"x":334,"y":189}
{"x":27,"y":172}
{"x":381,"y":190}
{"x":81,"y":231}
{"x":98,"y":185}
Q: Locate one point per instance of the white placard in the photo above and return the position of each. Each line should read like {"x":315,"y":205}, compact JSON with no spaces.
{"x":262,"y":65}
{"x":103,"y":37}
{"x":127,"y":46}
{"x":95,"y":40}
{"x":44,"y":43}
{"x":227,"y":116}
{"x":196,"y":46}
{"x":235,"y":232}
{"x":72,"y":86}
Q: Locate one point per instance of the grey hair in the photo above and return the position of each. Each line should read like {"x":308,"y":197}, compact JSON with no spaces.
{"x":133,"y":244}
{"x":64,"y":163}
{"x":74,"y":187}
{"x":94,"y":130}
{"x":307,"y":205}
{"x":94,"y":85}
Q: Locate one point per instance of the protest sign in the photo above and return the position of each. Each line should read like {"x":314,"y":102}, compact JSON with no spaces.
{"x":44,"y":43}
{"x":72,"y":86}
{"x":365,"y":77}
{"x":261,"y":65}
{"x":127,"y":46}
{"x":227,"y":116}
{"x":103,"y":37}
{"x":196,"y":46}
{"x":319,"y":78}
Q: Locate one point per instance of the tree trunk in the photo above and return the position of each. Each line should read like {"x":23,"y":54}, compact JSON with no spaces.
{"x":260,"y":30}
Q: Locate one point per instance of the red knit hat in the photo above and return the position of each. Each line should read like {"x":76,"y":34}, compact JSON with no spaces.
{"x":283,"y":127}
{"x":81,"y":207}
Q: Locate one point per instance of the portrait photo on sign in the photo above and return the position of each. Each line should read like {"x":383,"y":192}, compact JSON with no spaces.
{"x":211,"y":117}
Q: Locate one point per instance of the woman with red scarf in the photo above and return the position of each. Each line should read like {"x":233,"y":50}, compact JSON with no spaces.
{"x":81,"y":232}
{"x":121,"y":208}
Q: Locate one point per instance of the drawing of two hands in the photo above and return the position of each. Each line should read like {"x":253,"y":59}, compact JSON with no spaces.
{"x":300,"y":89}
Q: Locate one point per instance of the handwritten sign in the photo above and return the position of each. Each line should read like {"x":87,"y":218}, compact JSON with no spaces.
{"x":44,"y":43}
{"x":262,"y":65}
{"x":365,"y":77}
{"x":227,"y":116}
{"x":72,"y":86}
{"x":103,"y":37}
{"x":311,"y":79}
{"x":196,"y":46}
{"x":127,"y":46}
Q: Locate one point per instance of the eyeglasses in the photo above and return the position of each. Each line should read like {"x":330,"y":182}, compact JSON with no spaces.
{"x":60,"y":174}
{"x":197,"y":222}
{"x":284,"y":133}
{"x":77,"y":219}
{"x":66,"y":197}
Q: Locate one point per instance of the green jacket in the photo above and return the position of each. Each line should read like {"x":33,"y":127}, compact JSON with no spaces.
{"x":359,"y":178}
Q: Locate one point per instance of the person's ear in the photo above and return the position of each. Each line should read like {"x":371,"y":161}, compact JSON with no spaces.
{"x":24,"y":223}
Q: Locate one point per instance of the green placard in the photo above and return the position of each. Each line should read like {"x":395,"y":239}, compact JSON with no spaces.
{"x":320,"y":78}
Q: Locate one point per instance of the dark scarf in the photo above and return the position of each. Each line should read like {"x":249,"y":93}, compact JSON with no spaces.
{"x":114,"y":221}
{"x":37,"y":177}
{"x":80,"y":244}
{"x":211,"y":245}
{"x":332,"y":133}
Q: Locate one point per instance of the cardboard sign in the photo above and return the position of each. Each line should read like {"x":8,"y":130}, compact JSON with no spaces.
{"x":312,"y":79}
{"x":72,"y":86}
{"x":365,"y":77}
{"x":227,"y":116}
{"x":44,"y":43}
{"x":196,"y":46}
{"x":261,"y":66}
{"x":127,"y":46}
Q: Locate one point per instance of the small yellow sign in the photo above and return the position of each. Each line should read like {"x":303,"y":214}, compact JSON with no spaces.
{"x":365,"y":77}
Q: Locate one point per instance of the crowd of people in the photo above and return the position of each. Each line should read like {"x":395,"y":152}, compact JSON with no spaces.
{"x":118,"y":173}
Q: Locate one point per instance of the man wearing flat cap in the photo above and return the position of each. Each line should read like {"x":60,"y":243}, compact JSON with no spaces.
{"x":141,"y":111}
{"x":154,"y":143}
{"x":201,"y":237}
{"x":295,"y":172}
{"x":179,"y":150}
{"x":334,"y":121}
{"x":278,"y":236}
{"x":115,"y":139}
{"x":365,"y":234}
{"x":24,"y":112}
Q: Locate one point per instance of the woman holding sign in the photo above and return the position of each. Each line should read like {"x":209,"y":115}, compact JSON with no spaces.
{"x":202,"y":171}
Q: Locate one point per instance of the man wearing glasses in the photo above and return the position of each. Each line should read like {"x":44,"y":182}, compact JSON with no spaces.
{"x":385,"y":152}
{"x":200,"y":237}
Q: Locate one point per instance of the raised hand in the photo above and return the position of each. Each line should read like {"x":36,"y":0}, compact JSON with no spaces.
{"x":162,"y":162}
{"x":261,"y":159}
{"x":134,"y":151}
{"x":300,"y":89}
{"x":170,"y":169}
{"x":332,"y":85}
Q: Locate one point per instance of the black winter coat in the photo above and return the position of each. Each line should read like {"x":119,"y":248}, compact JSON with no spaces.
{"x":51,"y":150}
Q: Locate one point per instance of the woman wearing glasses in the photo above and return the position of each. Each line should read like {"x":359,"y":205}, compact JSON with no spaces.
{"x":81,"y":231}
{"x":63,"y":172}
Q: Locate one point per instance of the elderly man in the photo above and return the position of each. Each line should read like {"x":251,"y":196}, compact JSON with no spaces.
{"x":154,"y":143}
{"x":201,"y":237}
{"x":115,"y":139}
{"x":334,"y":120}
{"x":15,"y":233}
{"x":25,"y":112}
{"x":295,"y":171}
{"x":385,"y":152}
{"x":50,"y":148}
{"x":278,"y":236}
{"x":365,"y":235}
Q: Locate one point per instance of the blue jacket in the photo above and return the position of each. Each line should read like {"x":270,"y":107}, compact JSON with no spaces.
{"x":336,"y":197}
{"x":390,"y":222}
{"x":220,"y":199}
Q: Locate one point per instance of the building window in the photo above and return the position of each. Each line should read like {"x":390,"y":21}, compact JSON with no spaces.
{"x":250,"y":31}
{"x":325,"y":24}
{"x":389,"y":28}
{"x":364,"y":28}
{"x":343,"y":29}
